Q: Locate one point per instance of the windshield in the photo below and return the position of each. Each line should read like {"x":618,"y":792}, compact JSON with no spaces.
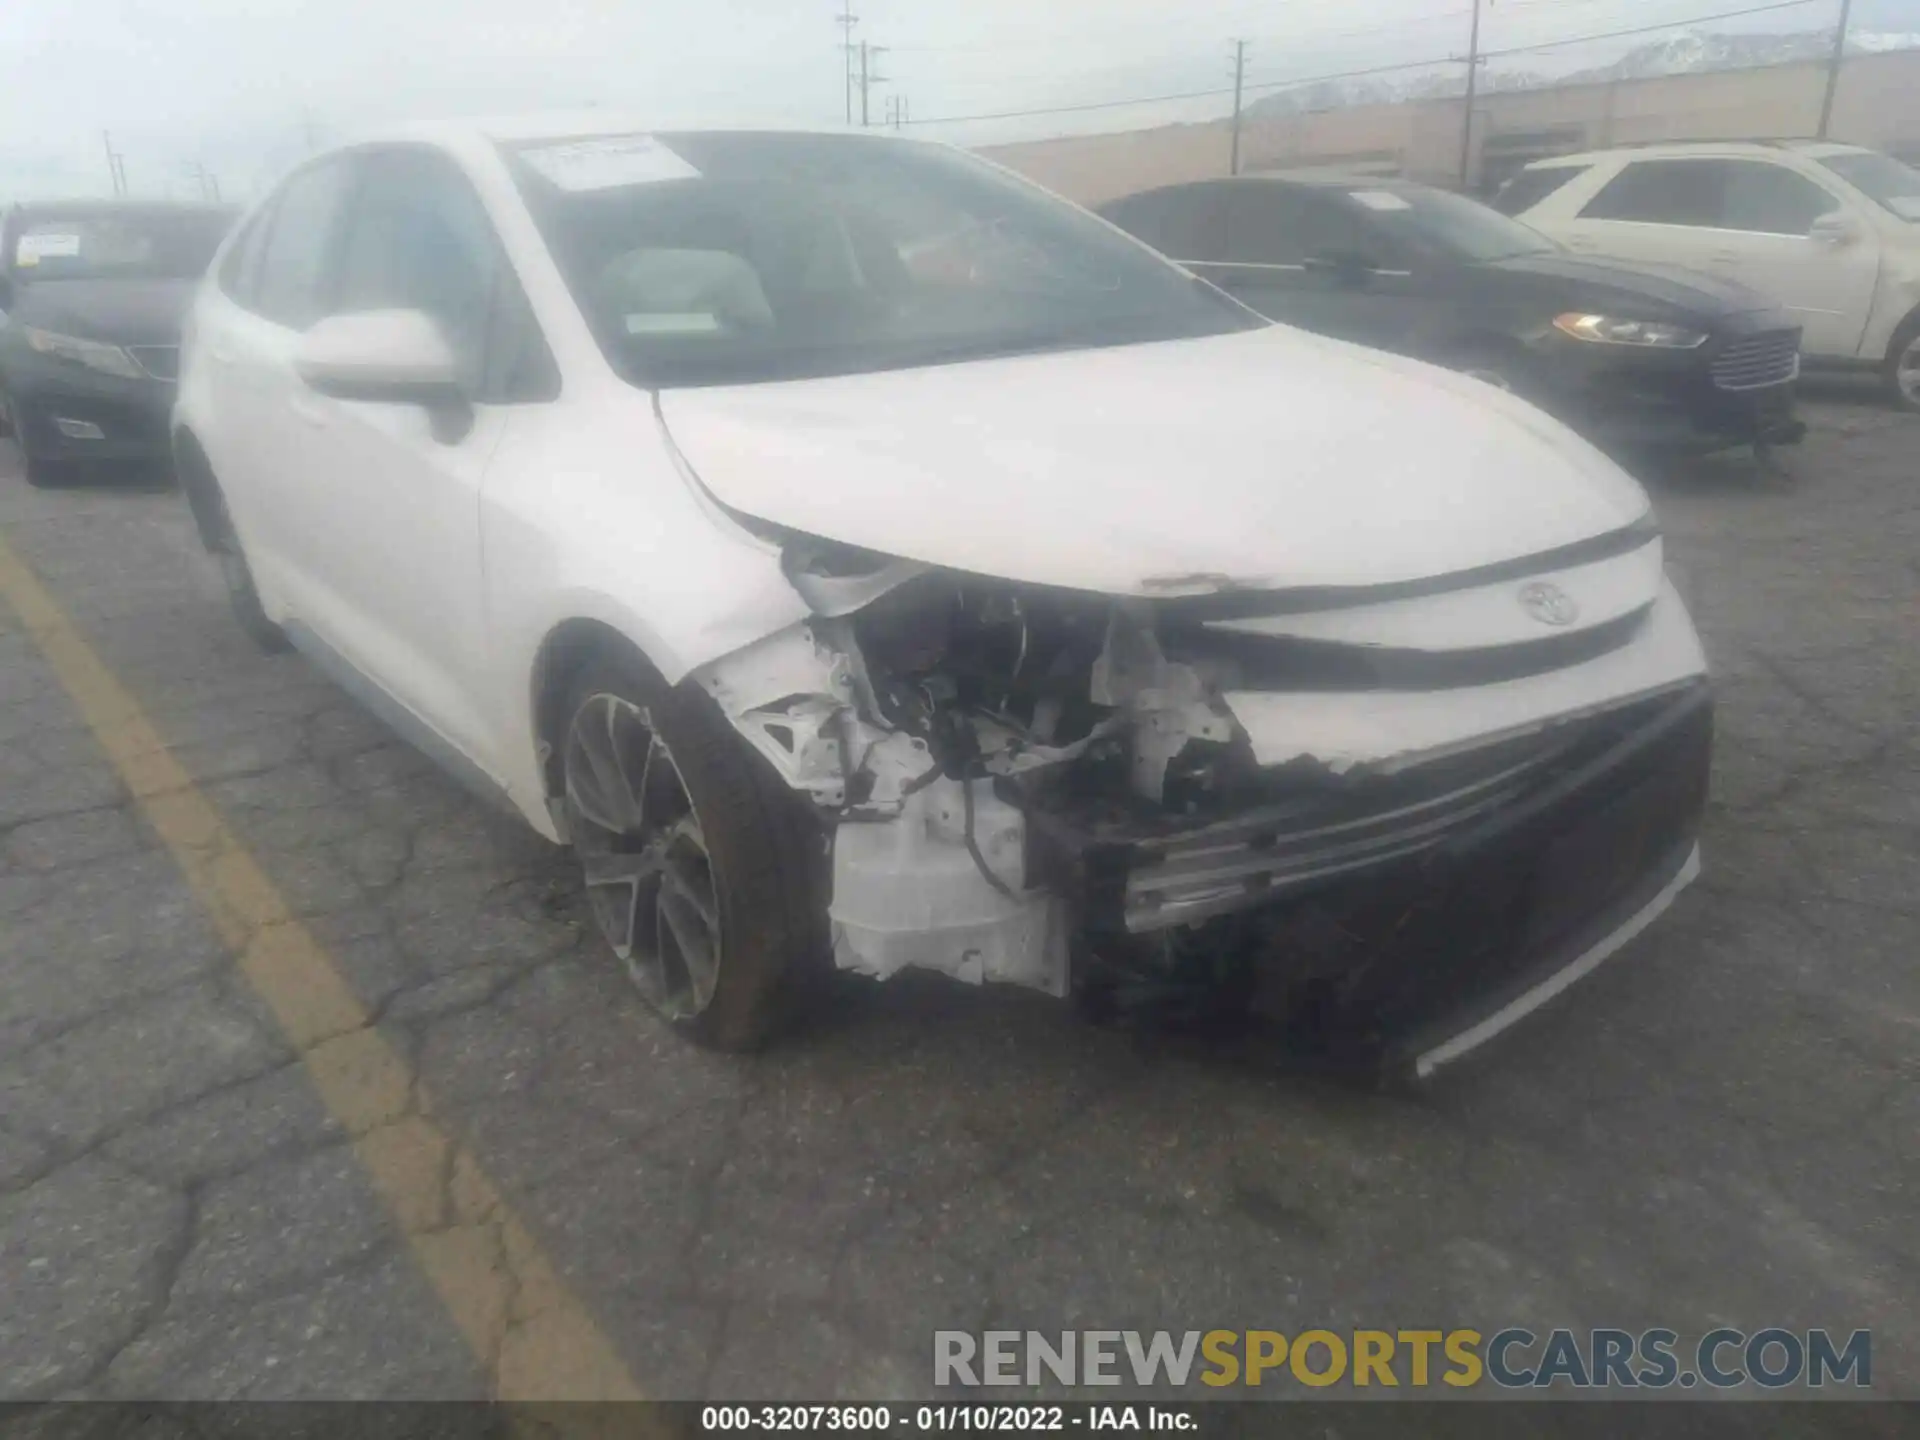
{"x":172,"y":245}
{"x":721,"y":258}
{"x":1450,"y":225}
{"x":1881,"y":178}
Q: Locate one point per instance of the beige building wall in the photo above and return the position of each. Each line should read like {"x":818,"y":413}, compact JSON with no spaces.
{"x":1878,"y":104}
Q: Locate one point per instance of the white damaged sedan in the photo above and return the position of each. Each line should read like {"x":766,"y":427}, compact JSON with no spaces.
{"x":864,"y":558}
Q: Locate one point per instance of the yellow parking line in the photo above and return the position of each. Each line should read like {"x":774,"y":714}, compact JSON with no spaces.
{"x":510,"y":1305}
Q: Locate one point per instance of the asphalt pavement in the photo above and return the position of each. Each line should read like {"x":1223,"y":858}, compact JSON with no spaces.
{"x":196,"y":1200}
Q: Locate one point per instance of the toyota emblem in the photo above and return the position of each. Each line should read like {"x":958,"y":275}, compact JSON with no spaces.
{"x":1548,"y":604}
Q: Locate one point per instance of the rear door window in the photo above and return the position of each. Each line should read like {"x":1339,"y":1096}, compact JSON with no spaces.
{"x":291,"y":288}
{"x":418,"y":238}
{"x":1184,"y":222}
{"x":239,"y":275}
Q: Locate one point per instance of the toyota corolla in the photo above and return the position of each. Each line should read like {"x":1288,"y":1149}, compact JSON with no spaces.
{"x":865,"y":559}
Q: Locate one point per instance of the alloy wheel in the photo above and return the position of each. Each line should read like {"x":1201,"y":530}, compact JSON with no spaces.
{"x":644,"y":856}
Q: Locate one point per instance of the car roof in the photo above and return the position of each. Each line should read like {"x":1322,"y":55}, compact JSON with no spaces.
{"x":1310,"y":179}
{"x":1338,"y":180}
{"x":580,"y":125}
{"x":1657,"y":149}
{"x":87,"y":208}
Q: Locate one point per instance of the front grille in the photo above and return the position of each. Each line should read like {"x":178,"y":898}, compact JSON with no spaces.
{"x":1758,"y":361}
{"x":162,"y":362}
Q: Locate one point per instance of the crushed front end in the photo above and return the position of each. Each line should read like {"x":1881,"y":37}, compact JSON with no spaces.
{"x":1394,"y":819}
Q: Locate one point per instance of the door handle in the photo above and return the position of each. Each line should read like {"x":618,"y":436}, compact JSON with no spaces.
{"x":1724,"y":257}
{"x":309,"y":412}
{"x":1578,"y":243}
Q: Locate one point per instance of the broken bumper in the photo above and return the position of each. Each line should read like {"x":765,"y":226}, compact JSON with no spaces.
{"x":1432,"y":909}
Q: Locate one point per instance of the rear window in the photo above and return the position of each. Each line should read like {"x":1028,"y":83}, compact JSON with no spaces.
{"x":132,"y":244}
{"x":1530,"y":187}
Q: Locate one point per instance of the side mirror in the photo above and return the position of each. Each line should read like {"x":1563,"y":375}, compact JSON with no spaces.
{"x":387,"y":357}
{"x":1835,"y":228}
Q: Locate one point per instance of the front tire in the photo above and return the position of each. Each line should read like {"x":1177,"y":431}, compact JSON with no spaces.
{"x":44,"y":474}
{"x":701,"y":867}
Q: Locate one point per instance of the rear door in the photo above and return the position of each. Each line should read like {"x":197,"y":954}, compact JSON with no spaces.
{"x":1747,"y":219}
{"x":1186,"y":223}
{"x":272,"y":284}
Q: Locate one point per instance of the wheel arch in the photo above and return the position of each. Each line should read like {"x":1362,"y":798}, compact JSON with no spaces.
{"x":568,"y":648}
{"x":195,"y":474}
{"x":1902,"y":334}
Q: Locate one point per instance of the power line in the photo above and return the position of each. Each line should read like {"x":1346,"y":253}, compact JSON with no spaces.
{"x":1427,"y":64}
{"x":1194,"y":94}
{"x":1651,"y":29}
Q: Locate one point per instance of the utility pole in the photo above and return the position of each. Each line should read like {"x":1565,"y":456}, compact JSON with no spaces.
{"x":1239,"y":75}
{"x":846,"y":20}
{"x":205,"y":179}
{"x":116,"y":165}
{"x":869,"y":53}
{"x":1473,"y":86}
{"x":896,"y":110}
{"x":1833,"y":66}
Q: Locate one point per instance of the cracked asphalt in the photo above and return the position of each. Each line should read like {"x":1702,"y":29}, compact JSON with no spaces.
{"x":1717,"y":1128}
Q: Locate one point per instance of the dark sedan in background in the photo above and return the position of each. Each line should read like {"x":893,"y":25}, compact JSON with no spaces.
{"x":1635,"y":357}
{"x":92,"y":295}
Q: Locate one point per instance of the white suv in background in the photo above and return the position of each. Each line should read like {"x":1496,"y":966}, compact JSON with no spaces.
{"x":1830,"y":231}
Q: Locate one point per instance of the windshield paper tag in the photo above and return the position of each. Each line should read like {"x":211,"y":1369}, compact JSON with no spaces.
{"x":35,"y":248}
{"x":690,"y":323}
{"x":1380,"y":200}
{"x":609,"y":163}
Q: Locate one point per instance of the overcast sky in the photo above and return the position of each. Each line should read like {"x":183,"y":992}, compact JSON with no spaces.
{"x":239,"y":85}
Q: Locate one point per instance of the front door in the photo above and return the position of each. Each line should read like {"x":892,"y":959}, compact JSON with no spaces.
{"x":390,"y":531}
{"x":1304,"y":257}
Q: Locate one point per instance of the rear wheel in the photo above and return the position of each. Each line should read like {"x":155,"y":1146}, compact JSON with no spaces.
{"x":224,"y":542}
{"x":1902,"y":371}
{"x":700,"y":866}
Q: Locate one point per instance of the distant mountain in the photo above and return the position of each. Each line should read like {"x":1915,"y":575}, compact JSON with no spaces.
{"x":1689,"y":52}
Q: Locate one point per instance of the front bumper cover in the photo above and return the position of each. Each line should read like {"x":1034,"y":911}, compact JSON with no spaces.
{"x":131,"y":415}
{"x":1460,"y":895}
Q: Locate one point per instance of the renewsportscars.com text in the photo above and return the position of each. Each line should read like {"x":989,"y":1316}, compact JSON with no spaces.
{"x":1512,"y":1358}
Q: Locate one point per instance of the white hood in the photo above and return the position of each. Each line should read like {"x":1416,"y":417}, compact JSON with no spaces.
{"x":1266,"y":459}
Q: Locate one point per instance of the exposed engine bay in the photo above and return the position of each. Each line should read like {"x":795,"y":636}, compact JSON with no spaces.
{"x":1050,"y":788}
